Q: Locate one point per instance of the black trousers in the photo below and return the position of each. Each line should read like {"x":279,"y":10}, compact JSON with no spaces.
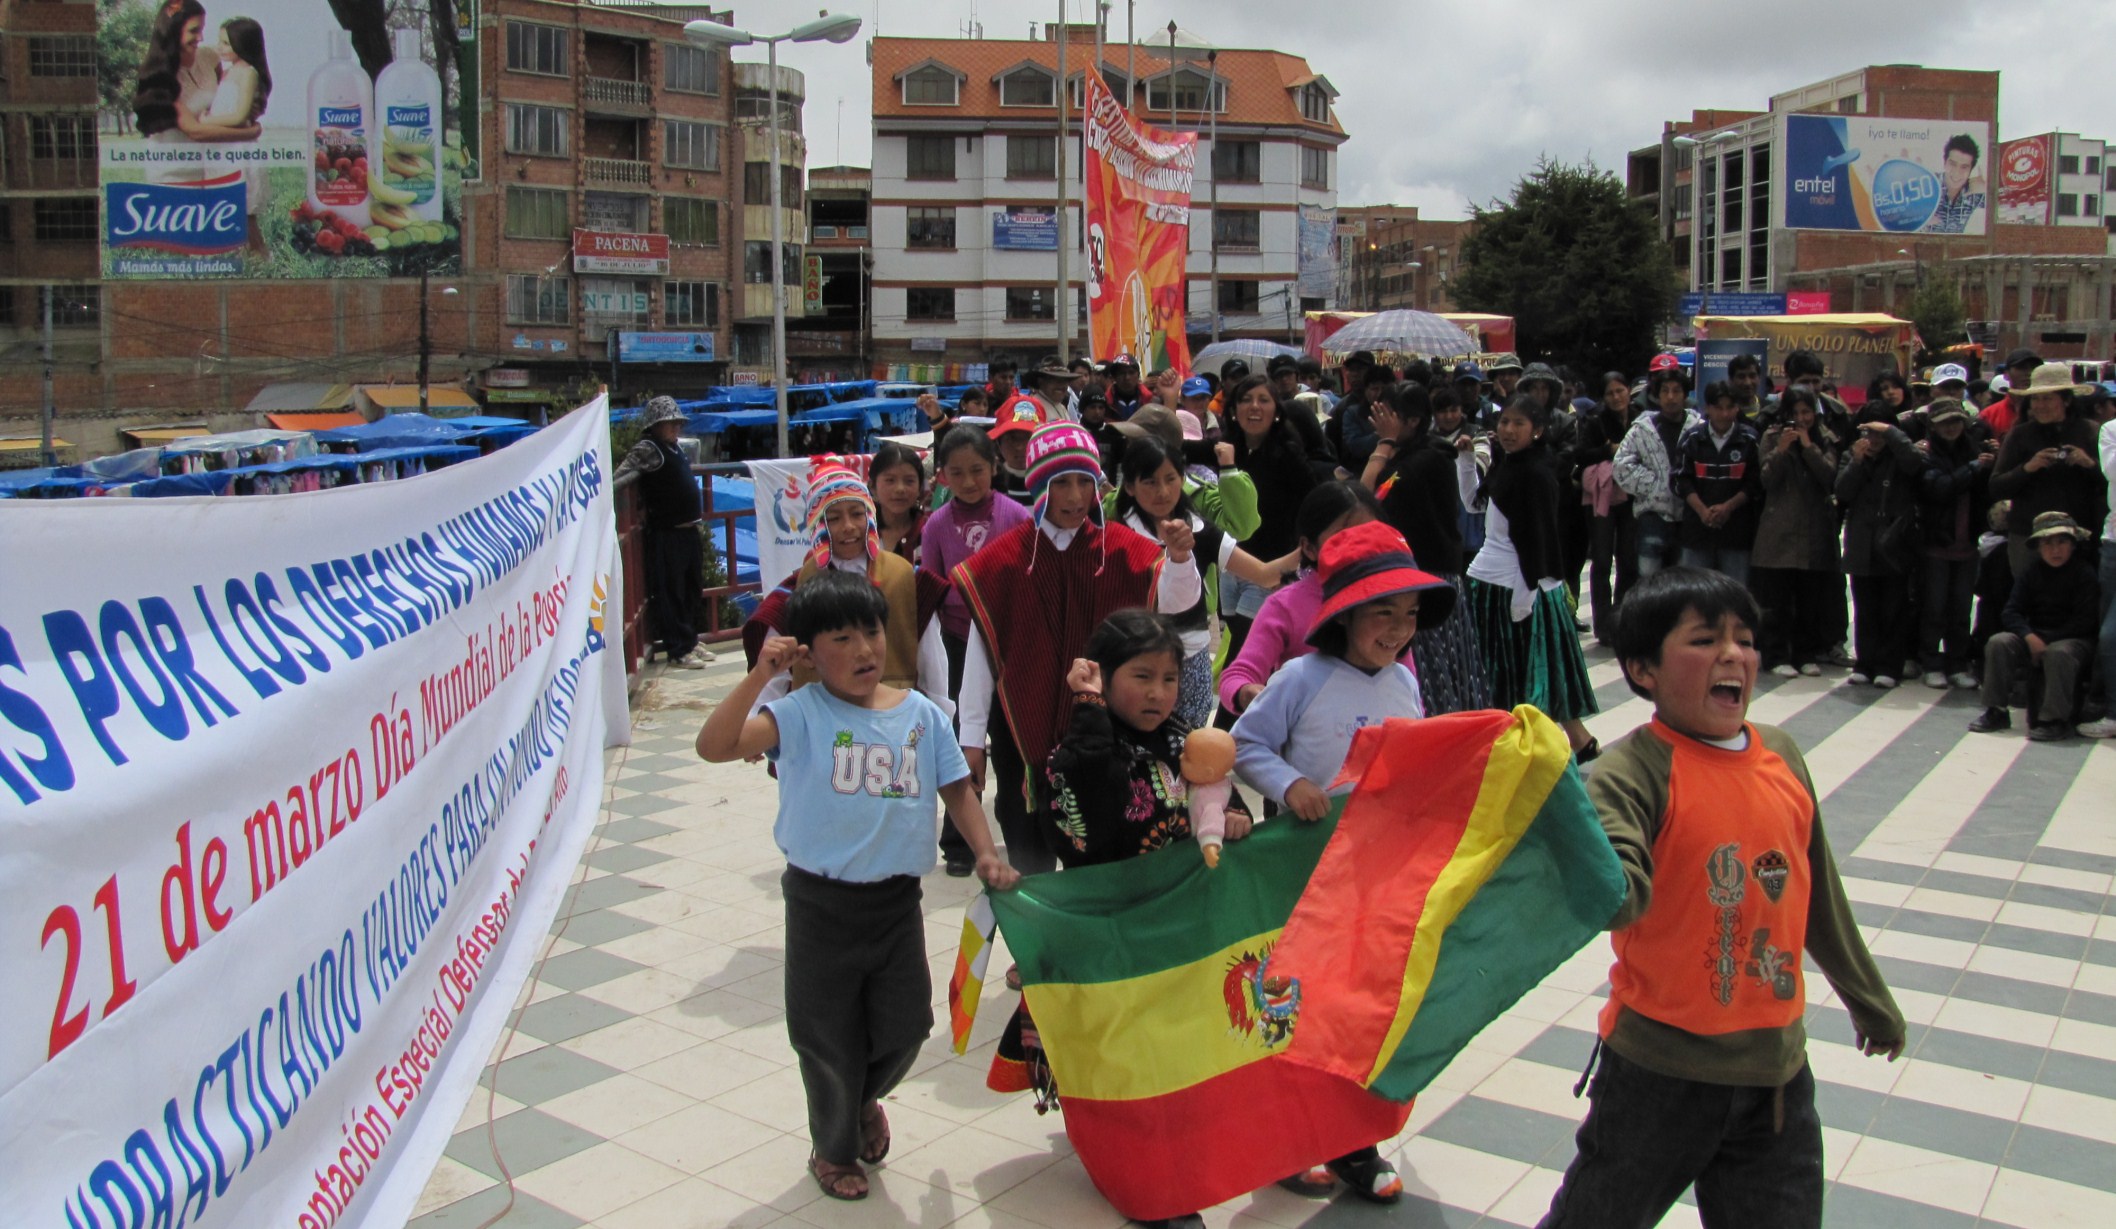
{"x":1881,"y":639}
{"x":1612,"y":557}
{"x":1948,"y":593}
{"x":1574,"y":538}
{"x":1796,"y":613}
{"x":1025,"y":831}
{"x":675,"y":581}
{"x":1754,"y":1154}
{"x":953,"y":847}
{"x":859,"y":997}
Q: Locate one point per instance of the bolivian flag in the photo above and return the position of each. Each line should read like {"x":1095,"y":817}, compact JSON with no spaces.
{"x":1212,"y":1031}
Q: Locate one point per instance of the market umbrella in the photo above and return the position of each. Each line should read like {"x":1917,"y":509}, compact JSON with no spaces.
{"x":1255,"y":350}
{"x":1405,"y":332}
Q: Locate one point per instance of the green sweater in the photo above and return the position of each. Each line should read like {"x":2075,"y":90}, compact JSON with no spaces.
{"x":1630,"y":791}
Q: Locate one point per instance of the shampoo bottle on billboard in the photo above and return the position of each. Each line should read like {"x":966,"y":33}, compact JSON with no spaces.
{"x":341,"y":112}
{"x":406,"y":188}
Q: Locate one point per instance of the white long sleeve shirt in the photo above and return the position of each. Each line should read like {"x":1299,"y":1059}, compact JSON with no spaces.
{"x":1181,"y":587}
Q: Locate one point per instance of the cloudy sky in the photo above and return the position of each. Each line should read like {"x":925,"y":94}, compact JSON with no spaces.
{"x":1448,"y":102}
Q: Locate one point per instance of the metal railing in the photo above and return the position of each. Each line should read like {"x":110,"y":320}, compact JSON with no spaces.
{"x":627,"y":171}
{"x":631,"y":544}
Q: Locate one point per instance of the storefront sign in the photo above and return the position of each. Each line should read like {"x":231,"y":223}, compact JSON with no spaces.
{"x":507,"y":377}
{"x":812,"y":285}
{"x":665,"y":347}
{"x":929,"y":345}
{"x":1731,"y":303}
{"x":1025,"y":230}
{"x":1807,"y":303}
{"x":601,"y":251}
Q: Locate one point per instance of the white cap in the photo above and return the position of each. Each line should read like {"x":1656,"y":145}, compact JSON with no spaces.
{"x":1950,"y":373}
{"x":2000,"y":383}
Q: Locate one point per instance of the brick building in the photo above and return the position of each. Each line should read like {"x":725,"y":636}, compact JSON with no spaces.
{"x":593,"y":116}
{"x":1716,"y":181}
{"x":1388,"y":257}
{"x":965,"y":129}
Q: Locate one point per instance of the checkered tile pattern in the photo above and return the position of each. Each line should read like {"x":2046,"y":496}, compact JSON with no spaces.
{"x":650,"y":1083}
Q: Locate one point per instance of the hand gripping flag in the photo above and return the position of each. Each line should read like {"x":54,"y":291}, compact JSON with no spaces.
{"x":1276,"y":1012}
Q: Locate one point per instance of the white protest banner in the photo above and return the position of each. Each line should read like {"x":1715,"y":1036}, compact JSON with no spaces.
{"x":290,"y":788}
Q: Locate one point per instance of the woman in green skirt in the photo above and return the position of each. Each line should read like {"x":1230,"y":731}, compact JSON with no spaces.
{"x":1516,"y":598}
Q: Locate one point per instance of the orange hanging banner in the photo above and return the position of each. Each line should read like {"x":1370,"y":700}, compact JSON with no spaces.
{"x":1138,"y":234}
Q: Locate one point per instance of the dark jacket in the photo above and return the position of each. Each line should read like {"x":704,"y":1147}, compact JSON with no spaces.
{"x":668,"y":494}
{"x":1600,"y":433}
{"x":1797,"y":528}
{"x":1283,"y":474}
{"x":1419,"y":498}
{"x":2056,"y":603}
{"x":2079,"y":490}
{"x":1715,"y":473}
{"x":1954,"y":494}
{"x":1876,"y":494}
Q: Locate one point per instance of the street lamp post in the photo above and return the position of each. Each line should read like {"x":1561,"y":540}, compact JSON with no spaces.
{"x":825,"y":28}
{"x":426,"y":337}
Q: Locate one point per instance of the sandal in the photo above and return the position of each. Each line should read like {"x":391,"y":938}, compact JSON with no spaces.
{"x":1587,"y":753}
{"x":1370,"y":1178}
{"x":874,"y":1134}
{"x":846,"y":1182}
{"x":1316,"y":1183}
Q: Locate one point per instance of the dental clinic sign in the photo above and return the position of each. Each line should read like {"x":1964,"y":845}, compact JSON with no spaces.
{"x":166,"y":230}
{"x":1888,"y":175}
{"x":601,"y":251}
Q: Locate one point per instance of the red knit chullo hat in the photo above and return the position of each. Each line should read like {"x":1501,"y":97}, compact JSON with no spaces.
{"x":1366,"y":563}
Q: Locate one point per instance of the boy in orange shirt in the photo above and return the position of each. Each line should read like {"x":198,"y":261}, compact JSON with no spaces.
{"x":1704,"y":1077}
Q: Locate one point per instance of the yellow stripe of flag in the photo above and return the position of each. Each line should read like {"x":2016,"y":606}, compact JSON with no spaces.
{"x":971,"y":959}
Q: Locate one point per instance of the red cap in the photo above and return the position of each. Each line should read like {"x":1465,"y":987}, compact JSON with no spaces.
{"x":1664,"y":362}
{"x":1367,"y":562}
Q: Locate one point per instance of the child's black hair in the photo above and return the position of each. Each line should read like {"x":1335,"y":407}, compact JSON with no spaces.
{"x":1143,"y":458}
{"x":1527,"y":406}
{"x":1716,"y":392}
{"x":831,"y":600}
{"x":893,"y":455}
{"x":1658,"y":603}
{"x":959,"y":438}
{"x":1325,"y":504}
{"x":973,"y":394}
{"x":1131,"y":633}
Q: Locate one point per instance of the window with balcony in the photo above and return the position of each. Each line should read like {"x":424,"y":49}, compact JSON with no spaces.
{"x":1314,"y":167}
{"x":1237,"y":230}
{"x":690,"y":144}
{"x":62,"y":138}
{"x":1238,"y":162}
{"x":1238,"y":297}
{"x":929,"y":303}
{"x":64,"y":220}
{"x":544,"y":50}
{"x":932,"y":86}
{"x":690,"y":220}
{"x":62,"y":55}
{"x":690,"y":304}
{"x":538,"y":213}
{"x":756,"y":263}
{"x":1028,"y":87}
{"x":533,"y":129}
{"x":690,"y":70}
{"x":1032,"y":157}
{"x":929,"y":157}
{"x":1192,"y":88}
{"x":537,"y":299}
{"x":931,"y":227}
{"x":1031,"y":303}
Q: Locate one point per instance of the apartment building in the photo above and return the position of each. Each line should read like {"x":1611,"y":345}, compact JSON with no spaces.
{"x":1388,"y":258}
{"x":965,"y":186}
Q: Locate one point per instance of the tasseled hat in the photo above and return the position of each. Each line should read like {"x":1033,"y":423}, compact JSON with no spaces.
{"x":830,"y":482}
{"x":1061,"y":448}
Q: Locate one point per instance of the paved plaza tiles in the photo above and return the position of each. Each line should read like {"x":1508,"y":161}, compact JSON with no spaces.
{"x":649,"y":1083}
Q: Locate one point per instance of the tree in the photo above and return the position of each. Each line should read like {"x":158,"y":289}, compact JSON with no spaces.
{"x":122,"y":28}
{"x":1937,"y":313}
{"x":1581,"y":268}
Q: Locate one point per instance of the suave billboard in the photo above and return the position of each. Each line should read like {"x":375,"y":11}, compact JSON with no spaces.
{"x":1878,"y":173}
{"x":271,"y":141}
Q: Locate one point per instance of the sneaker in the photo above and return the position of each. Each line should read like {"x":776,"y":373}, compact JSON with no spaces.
{"x":1964,"y":680}
{"x":696,"y":659}
{"x":1841,"y":656}
{"x":1884,"y":682}
{"x":2104,"y":728}
{"x":2049,"y":732}
{"x":1857,"y":679}
{"x":960,"y":868}
{"x":1936,"y":680}
{"x":1811,"y":670}
{"x":1991,"y":719}
{"x":1785,"y":670}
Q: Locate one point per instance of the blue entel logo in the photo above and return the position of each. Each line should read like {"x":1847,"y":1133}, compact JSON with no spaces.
{"x":195,"y":219}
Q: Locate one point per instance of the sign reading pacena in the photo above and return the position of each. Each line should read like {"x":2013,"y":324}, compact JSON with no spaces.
{"x":602,"y":251}
{"x":286,"y":807}
{"x":1877,"y":173}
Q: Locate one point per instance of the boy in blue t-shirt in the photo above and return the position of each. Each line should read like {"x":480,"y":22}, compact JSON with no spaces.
{"x":860,"y":765}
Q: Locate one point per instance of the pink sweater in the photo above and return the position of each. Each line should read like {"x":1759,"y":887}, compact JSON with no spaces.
{"x":1279,"y":634}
